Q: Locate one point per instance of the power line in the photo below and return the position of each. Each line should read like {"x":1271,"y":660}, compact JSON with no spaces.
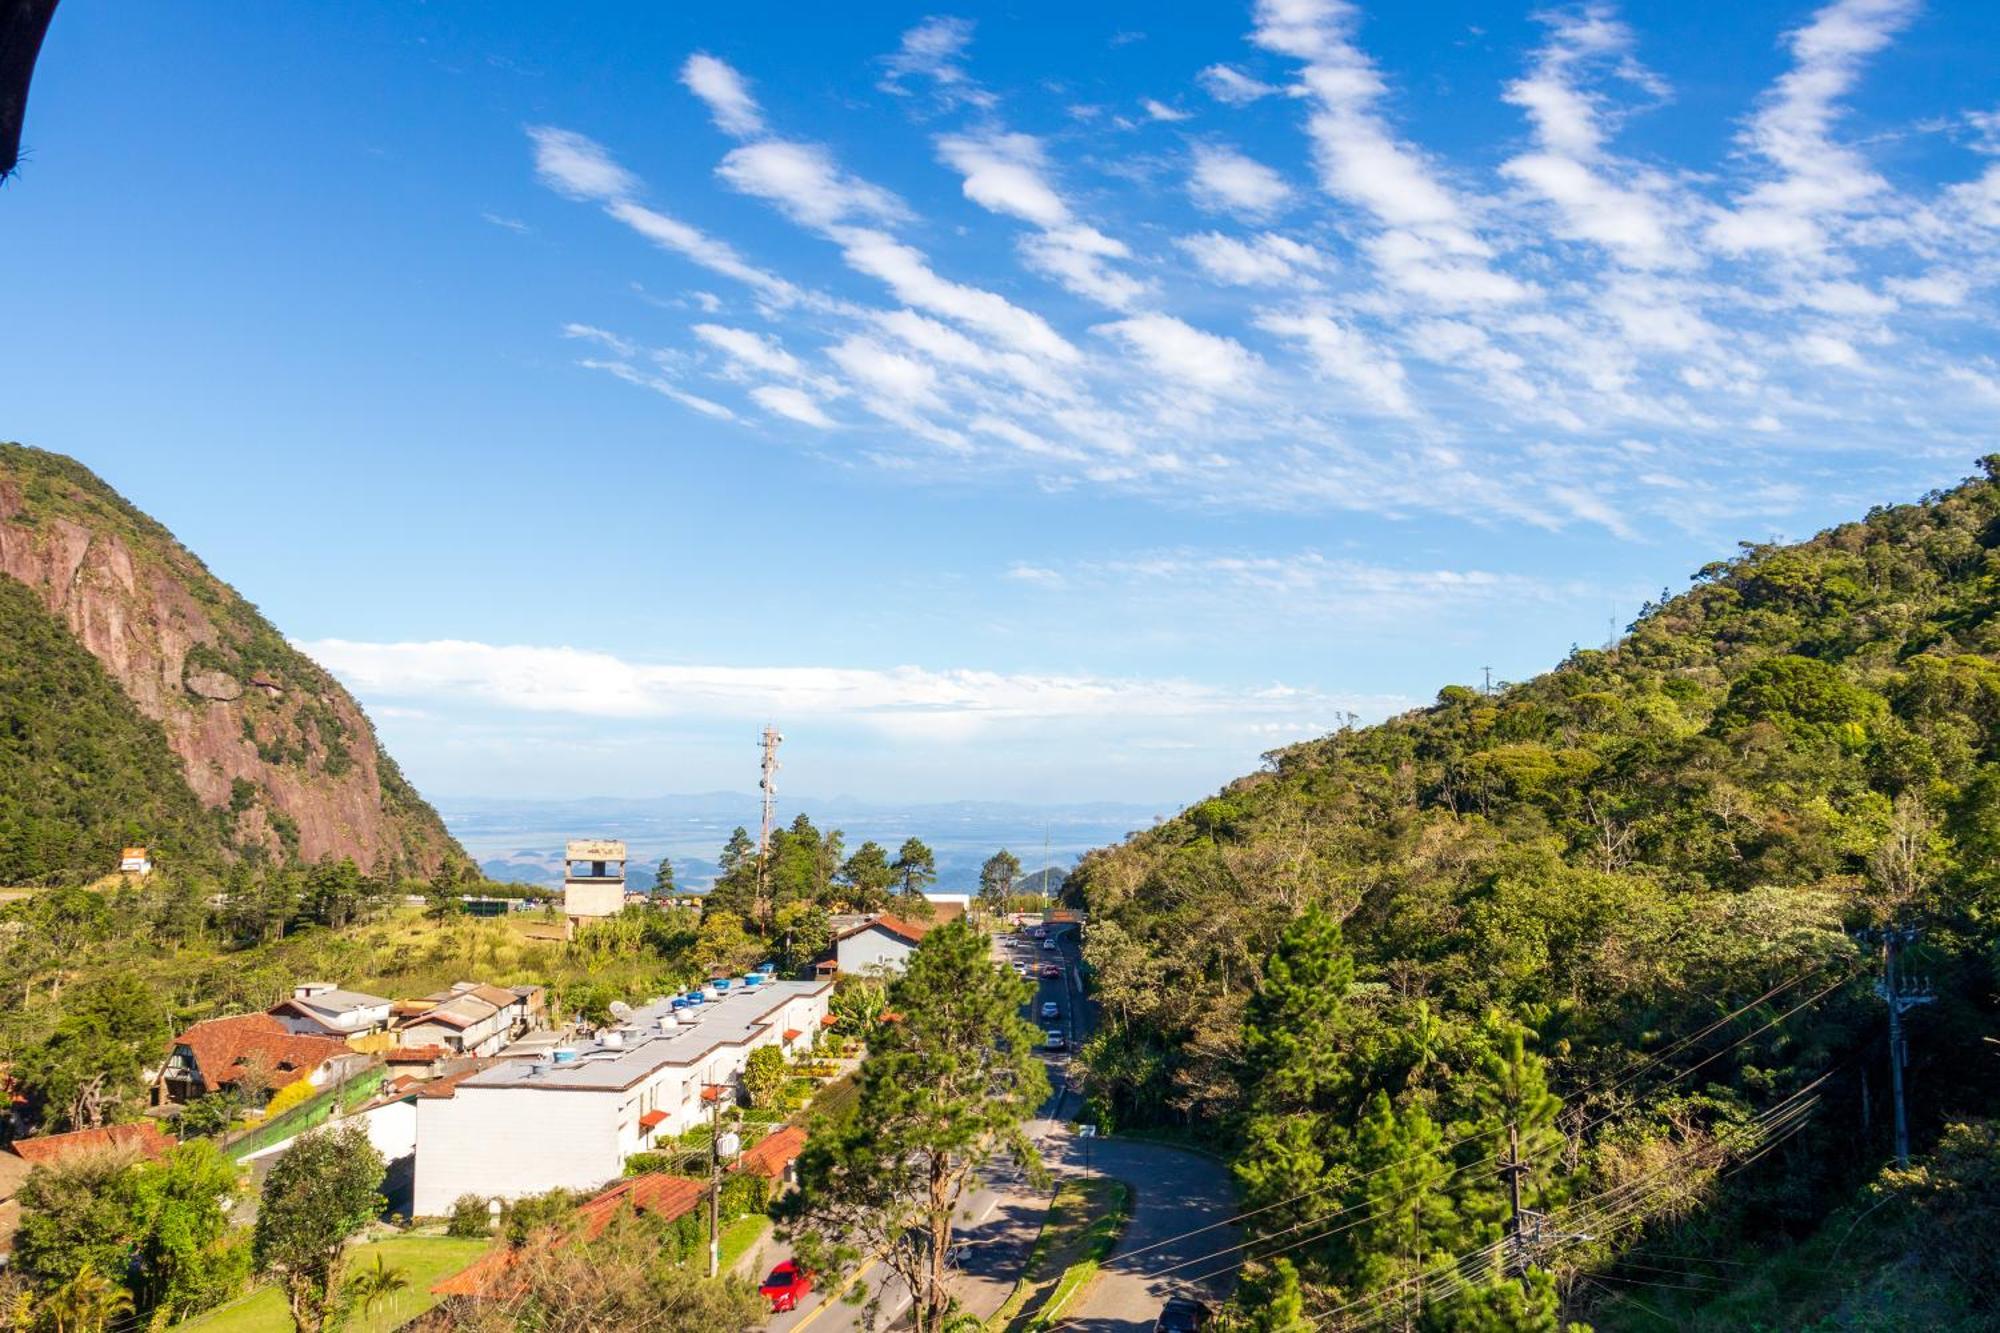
{"x":1791,"y":1113}
{"x":1584,"y":1090}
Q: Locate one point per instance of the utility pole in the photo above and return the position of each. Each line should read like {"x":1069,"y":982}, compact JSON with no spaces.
{"x":718,"y":1148}
{"x":1488,"y":691}
{"x":1528,"y":1229}
{"x":1901,"y":997}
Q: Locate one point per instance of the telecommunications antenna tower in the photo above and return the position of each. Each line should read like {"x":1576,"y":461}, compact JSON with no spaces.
{"x":768,"y":784}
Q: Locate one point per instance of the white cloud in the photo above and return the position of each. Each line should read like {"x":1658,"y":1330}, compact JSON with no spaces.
{"x":729,"y":101}
{"x":934,"y":50}
{"x":907,"y":273}
{"x":1003,"y":174}
{"x":659,"y":384}
{"x":1428,"y":248}
{"x":1225,"y":181}
{"x":754,"y":351}
{"x":571,"y":164}
{"x":1158,"y":110}
{"x":715,"y":255}
{"x":1815,"y":179}
{"x":1182,"y":354}
{"x":1826,"y":349}
{"x":1265,"y":260}
{"x":903,"y":700}
{"x":885,"y":374}
{"x":1594,"y":198}
{"x":1232,"y":86}
{"x":602,"y":337}
{"x":1342,"y":353}
{"x":801,"y":178}
{"x":788,"y":401}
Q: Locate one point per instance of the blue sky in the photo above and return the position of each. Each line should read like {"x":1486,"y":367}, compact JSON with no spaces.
{"x":1039,"y":402}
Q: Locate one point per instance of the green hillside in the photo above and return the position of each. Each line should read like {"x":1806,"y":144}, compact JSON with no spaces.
{"x":1633,"y":881}
{"x":267,"y":742}
{"x":81,"y":771}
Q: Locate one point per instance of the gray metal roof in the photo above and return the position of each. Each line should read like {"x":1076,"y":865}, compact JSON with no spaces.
{"x":739,"y":1015}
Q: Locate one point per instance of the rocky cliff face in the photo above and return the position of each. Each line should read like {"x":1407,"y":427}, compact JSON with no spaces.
{"x":262,"y":731}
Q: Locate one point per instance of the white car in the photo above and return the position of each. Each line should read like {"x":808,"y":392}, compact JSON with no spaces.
{"x":1050,"y":1009}
{"x":1049,"y":945}
{"x":1055,"y":1041}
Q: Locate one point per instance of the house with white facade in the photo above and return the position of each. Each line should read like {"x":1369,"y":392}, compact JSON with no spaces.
{"x":521,"y":1127}
{"x":468,"y":1019}
{"x":322,"y":1009}
{"x":871,"y":946}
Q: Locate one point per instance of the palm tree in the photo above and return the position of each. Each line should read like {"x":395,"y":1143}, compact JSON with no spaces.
{"x":371,"y":1286}
{"x":85,"y":1303}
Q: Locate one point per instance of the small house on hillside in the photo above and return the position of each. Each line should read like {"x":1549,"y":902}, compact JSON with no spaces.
{"x":468,"y":1019}
{"x":226,"y":1052}
{"x":321,"y":1009}
{"x":873,"y":944}
{"x":135,"y":861}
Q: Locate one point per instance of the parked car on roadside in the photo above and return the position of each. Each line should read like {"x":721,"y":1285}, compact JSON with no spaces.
{"x":787,"y":1283}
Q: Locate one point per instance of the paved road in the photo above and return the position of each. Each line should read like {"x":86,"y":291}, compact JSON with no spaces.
{"x":1173,"y":1192}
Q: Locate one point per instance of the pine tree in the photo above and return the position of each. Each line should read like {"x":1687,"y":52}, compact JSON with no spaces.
{"x":915,"y":867}
{"x":1292,"y":1025}
{"x":1408,"y":1221}
{"x":946,"y":1088}
{"x":996,"y":879}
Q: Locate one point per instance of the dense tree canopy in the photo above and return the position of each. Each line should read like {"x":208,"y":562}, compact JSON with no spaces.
{"x":1503,"y":907}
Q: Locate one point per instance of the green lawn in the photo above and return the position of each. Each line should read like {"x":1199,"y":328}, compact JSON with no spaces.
{"x":424,"y":1259}
{"x":740,"y":1237}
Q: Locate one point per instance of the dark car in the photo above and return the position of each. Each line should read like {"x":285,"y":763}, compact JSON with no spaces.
{"x":787,"y":1283}
{"x":1183,"y":1314}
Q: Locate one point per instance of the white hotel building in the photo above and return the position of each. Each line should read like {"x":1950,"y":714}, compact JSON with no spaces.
{"x":524,"y":1126}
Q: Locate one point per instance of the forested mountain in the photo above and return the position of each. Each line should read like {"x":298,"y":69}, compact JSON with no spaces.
{"x":229,"y":742}
{"x":1620,"y":906}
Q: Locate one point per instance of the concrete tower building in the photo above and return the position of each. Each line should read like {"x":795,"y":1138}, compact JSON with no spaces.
{"x":593,"y":879}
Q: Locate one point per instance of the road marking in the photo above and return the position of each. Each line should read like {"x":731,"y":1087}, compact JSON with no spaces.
{"x":833,"y":1295}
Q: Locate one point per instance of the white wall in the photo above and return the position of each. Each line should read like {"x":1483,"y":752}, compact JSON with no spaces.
{"x":507,"y":1143}
{"x":870,"y":950}
{"x":392,"y":1129}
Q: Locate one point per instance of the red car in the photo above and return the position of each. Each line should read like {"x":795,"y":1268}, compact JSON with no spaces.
{"x":787,"y":1283}
{"x":1052,"y":971}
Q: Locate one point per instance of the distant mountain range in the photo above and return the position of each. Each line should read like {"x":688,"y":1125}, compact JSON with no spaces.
{"x":522,"y":840}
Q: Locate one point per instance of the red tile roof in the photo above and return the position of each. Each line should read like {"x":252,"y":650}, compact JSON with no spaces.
{"x":793,"y":1034}
{"x":909,"y":931}
{"x":665,"y":1196}
{"x":144,"y":1135}
{"x":828,"y":1020}
{"x":774,"y":1152}
{"x":220,"y":1045}
{"x":414,"y":1055}
{"x":651,"y":1118}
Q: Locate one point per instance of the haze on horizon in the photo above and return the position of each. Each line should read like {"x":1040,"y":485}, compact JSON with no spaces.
{"x":1056,"y":407}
